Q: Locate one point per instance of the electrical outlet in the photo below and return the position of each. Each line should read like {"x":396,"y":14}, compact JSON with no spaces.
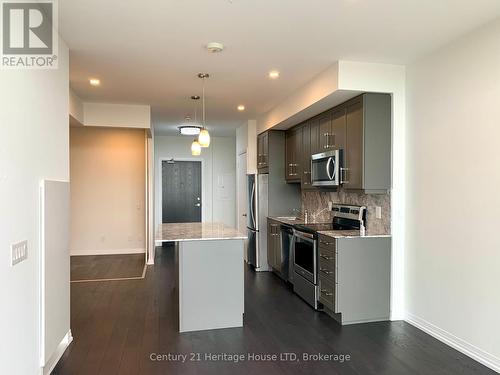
{"x":19,"y":252}
{"x":330,"y":206}
{"x":378,"y":212}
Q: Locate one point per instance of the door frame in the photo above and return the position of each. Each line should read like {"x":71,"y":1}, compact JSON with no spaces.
{"x":160,"y":187}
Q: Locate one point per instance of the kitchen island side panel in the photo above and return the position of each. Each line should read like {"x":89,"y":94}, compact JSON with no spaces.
{"x":211,"y":284}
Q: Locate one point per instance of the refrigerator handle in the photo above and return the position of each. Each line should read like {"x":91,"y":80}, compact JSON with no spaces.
{"x":252,"y":201}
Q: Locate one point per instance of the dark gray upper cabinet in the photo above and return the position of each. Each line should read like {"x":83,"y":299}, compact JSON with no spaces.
{"x":293,"y":159}
{"x":263,"y":152}
{"x":337,"y":135}
{"x":306,"y":153}
{"x":315,"y":136}
{"x":361,"y":128}
{"x":325,"y":129}
{"x":367,"y":152}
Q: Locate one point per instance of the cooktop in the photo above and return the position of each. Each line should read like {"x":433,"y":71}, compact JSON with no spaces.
{"x":345,"y":217}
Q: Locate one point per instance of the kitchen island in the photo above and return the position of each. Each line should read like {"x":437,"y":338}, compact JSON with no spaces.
{"x":210,"y":281}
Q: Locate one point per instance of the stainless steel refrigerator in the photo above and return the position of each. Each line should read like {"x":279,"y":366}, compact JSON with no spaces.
{"x":267,"y":196}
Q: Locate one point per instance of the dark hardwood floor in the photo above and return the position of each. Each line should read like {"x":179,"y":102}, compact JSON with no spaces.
{"x":91,"y":267}
{"x":118,"y":325}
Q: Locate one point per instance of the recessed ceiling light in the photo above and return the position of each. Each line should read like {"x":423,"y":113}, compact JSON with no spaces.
{"x":94,"y":82}
{"x":273,"y":74}
{"x":241,"y":107}
{"x":215,"y":47}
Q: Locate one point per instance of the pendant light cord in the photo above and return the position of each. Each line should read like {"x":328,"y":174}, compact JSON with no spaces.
{"x":203,"y":103}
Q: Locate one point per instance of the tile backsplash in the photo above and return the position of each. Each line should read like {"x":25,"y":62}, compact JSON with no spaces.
{"x":315,"y":201}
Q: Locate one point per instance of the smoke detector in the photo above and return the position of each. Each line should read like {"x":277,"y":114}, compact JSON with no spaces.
{"x":215,"y":47}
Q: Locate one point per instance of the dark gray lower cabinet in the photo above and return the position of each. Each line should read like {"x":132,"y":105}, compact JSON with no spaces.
{"x":274,"y":244}
{"x":355,"y":278}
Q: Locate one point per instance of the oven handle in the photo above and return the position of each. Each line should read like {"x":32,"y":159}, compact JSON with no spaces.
{"x":303,"y":235}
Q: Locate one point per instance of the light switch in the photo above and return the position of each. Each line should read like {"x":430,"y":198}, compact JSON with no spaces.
{"x":378,"y":212}
{"x":19,"y":252}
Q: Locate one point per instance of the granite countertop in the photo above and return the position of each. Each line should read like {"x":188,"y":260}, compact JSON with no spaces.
{"x":329,"y":233}
{"x":349,"y":234}
{"x":176,"y":232}
{"x":284,"y":220}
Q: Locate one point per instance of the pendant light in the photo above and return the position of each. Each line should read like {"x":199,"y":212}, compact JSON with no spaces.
{"x":204,"y":136}
{"x":191,"y":128}
{"x":195,"y":148}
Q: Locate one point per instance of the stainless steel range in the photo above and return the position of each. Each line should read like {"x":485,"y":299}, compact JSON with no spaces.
{"x":305,"y":240}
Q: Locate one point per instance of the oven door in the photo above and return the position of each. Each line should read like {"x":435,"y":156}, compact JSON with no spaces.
{"x":325,"y":168}
{"x":305,"y":256}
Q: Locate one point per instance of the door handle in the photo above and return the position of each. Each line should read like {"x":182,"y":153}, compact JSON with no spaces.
{"x":198,"y":204}
{"x":330,"y":160}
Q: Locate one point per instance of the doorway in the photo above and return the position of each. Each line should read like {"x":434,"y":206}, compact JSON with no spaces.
{"x":181,"y":191}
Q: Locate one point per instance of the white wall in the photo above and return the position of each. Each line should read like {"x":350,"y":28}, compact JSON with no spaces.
{"x":117,"y":115}
{"x":75,"y":107}
{"x":246,"y":142}
{"x":219,"y":168}
{"x":34,"y":145}
{"x":453,"y":202}
{"x":108,"y":174}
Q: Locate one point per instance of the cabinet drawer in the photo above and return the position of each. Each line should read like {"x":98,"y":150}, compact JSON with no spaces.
{"x":326,"y":254}
{"x":327,"y":293}
{"x":326,"y":242}
{"x":327,"y":269}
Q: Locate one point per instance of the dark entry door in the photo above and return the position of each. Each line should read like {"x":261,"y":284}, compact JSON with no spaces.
{"x":181,"y":191}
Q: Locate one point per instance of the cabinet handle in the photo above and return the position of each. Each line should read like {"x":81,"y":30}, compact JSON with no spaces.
{"x":327,"y":143}
{"x":326,"y":293}
{"x":324,"y":270}
{"x":327,"y":243}
{"x":325,"y":257}
{"x":343,"y":176}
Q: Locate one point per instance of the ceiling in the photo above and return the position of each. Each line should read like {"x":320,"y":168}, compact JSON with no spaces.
{"x":150,"y":51}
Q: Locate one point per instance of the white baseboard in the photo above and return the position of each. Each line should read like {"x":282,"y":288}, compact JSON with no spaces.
{"x":107,"y":252}
{"x":54,"y":359}
{"x":455,"y":342}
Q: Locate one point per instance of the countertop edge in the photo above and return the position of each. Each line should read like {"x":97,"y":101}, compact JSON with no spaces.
{"x":201,"y":239}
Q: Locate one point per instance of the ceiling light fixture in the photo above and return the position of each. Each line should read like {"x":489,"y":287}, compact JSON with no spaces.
{"x":189,"y":129}
{"x":94,"y":82}
{"x":195,"y":148}
{"x":214,"y":47}
{"x":274,"y":74}
{"x":241,"y":107}
{"x":204,"y":137}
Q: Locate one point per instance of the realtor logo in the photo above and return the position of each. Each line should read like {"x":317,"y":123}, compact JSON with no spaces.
{"x":29,"y":34}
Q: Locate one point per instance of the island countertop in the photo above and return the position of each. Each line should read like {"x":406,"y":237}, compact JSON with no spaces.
{"x":178,"y":232}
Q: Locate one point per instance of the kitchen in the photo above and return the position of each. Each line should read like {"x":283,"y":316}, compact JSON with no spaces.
{"x":242,"y":187}
{"x":335,"y":255}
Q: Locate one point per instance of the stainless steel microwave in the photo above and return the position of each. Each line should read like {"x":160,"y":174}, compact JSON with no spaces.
{"x":326,"y":168}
